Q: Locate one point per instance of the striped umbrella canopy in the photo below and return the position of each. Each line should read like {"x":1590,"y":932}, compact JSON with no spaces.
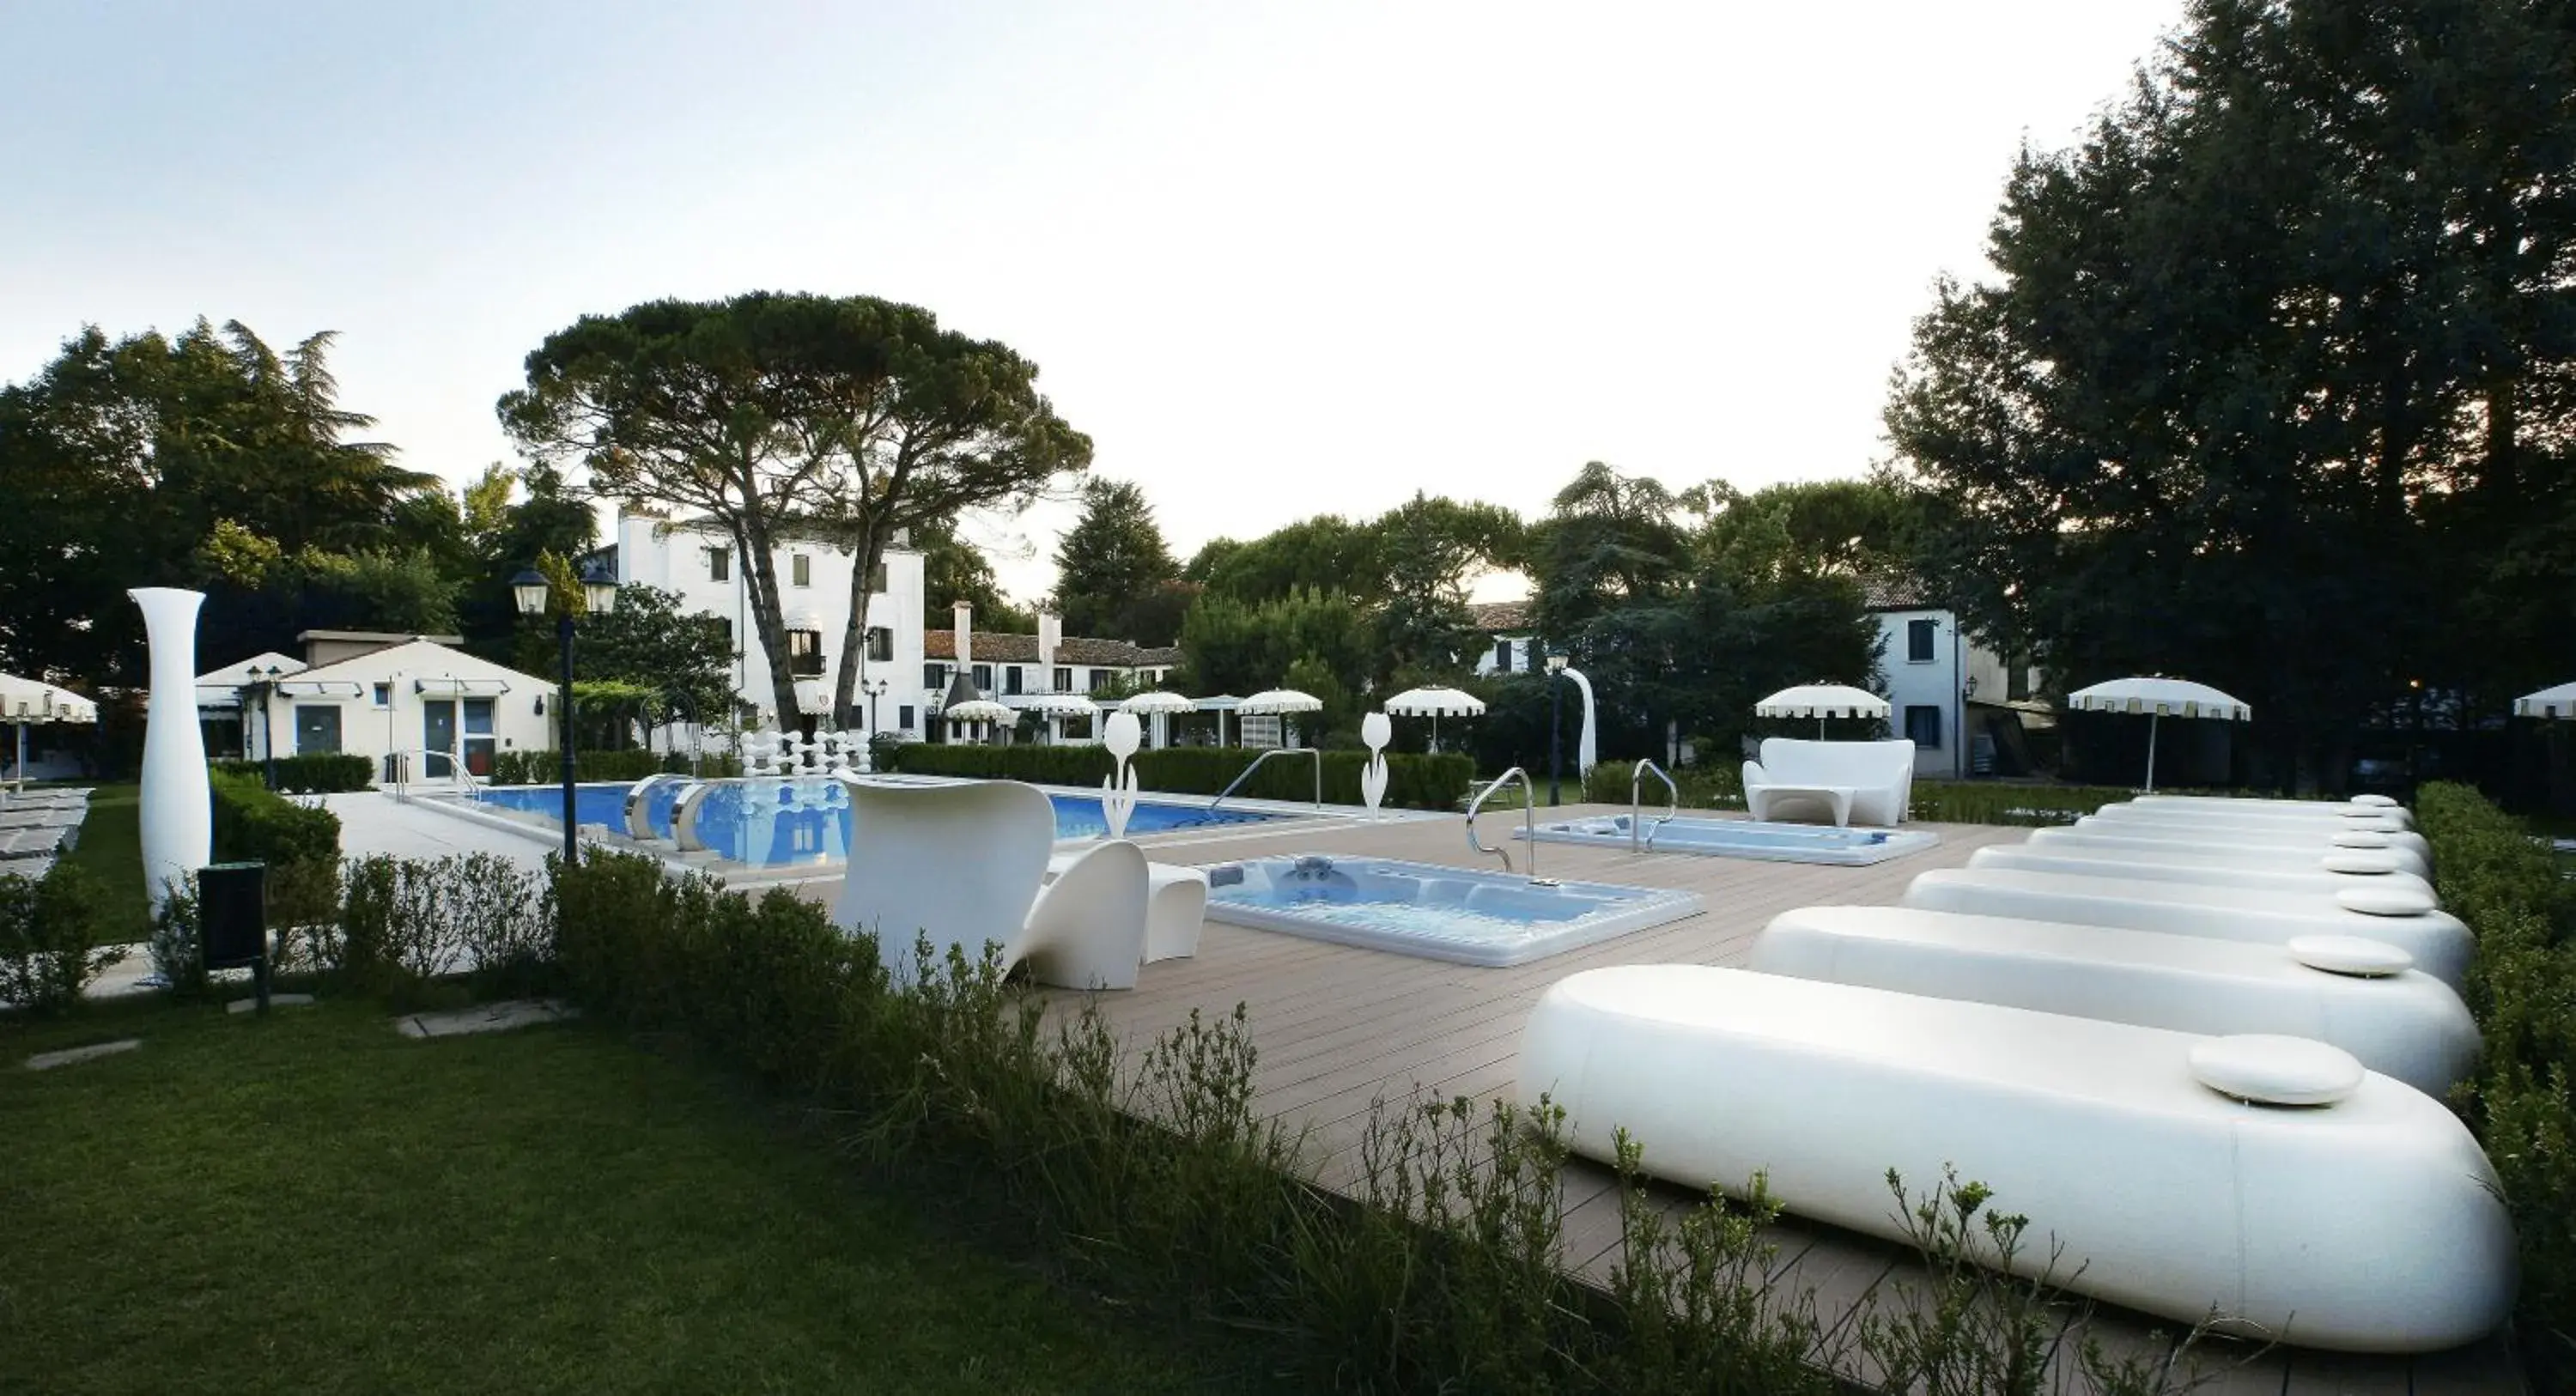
{"x":1280,"y":700}
{"x":2158,"y":698}
{"x":978,"y":710}
{"x":1157,"y":702}
{"x":1821,"y":701}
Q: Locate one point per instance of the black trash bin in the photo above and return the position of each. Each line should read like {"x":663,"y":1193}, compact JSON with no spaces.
{"x":232,"y":920}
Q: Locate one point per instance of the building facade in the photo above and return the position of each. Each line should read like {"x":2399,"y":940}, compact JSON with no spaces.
{"x":1961,"y":703}
{"x":416,"y":708}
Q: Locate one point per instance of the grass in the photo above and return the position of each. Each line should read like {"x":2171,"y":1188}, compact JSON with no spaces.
{"x":314,"y":1203}
{"x":111,"y":850}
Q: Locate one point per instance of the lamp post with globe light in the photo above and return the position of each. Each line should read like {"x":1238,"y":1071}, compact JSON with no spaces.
{"x":599,"y":594}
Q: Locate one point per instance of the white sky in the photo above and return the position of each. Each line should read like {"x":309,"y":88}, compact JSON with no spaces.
{"x":1277,"y":259}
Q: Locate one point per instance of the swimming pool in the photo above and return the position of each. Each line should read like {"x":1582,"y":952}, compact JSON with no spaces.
{"x":1439,"y":913}
{"x":1748,"y":838}
{"x":781,"y":823}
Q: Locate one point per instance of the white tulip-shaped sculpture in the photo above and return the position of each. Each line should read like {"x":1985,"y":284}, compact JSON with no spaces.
{"x":1118,"y":793}
{"x":1376,"y":731}
{"x":176,"y":805}
{"x":1584,"y":750}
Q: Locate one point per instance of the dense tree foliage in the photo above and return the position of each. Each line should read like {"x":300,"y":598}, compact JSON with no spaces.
{"x":2275,"y":383}
{"x":208,"y":460}
{"x":954,"y":569}
{"x":1115,"y":576}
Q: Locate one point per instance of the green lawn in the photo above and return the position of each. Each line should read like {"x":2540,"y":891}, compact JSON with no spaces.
{"x":111,"y":850}
{"x":313,"y":1203}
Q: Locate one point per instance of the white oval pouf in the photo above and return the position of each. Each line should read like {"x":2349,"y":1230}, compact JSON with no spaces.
{"x":2354,"y":955}
{"x":2356,"y":838}
{"x":2359,"y":863}
{"x":2271,"y":1070}
{"x":2395,"y":900}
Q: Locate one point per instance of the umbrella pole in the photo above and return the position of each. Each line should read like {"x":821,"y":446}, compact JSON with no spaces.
{"x":2152,"y":720}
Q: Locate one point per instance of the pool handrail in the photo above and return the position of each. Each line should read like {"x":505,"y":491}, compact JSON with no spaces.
{"x":1529,"y":819}
{"x":1672,"y":804}
{"x":1256,"y":765}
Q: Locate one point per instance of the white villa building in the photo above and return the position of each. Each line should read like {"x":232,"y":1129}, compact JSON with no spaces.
{"x":909,"y":670}
{"x":411,"y":704}
{"x":1960,"y":702}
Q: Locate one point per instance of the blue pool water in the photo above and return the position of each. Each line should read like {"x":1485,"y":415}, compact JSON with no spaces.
{"x":778,"y":823}
{"x":1461,"y":915}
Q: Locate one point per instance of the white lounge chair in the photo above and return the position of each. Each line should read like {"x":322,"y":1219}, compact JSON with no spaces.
{"x":2244,"y":849}
{"x":2361,"y":996}
{"x":2148,"y":819}
{"x":2328,"y":875}
{"x":1848,"y":782}
{"x":2381,"y":807}
{"x":2366,"y":1220}
{"x":2439,"y":943}
{"x":963,"y":865}
{"x":1176,"y":900}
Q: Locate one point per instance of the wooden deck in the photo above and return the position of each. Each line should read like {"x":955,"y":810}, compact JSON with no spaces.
{"x":1339,"y":1029}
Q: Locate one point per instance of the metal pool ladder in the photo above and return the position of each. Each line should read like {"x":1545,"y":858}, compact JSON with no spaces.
{"x":1276,"y":751}
{"x":1672,"y":804}
{"x":1529,"y":819}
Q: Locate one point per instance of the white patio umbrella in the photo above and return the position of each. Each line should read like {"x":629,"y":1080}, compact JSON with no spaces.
{"x":1435,"y":704}
{"x":2559,"y":702}
{"x":1054,"y":705}
{"x":25,"y":701}
{"x":979,"y":710}
{"x":2158,"y":699}
{"x":1148,"y":704}
{"x":1276,"y":702}
{"x":1821,"y":701}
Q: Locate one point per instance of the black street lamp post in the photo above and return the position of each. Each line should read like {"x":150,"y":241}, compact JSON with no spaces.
{"x":266,"y":681}
{"x":599,"y":593}
{"x":1555,"y":722}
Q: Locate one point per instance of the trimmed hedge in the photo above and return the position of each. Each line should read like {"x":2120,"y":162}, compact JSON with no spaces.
{"x":2507,"y":886}
{"x":1412,"y":781}
{"x":309,"y":774}
{"x":255,"y":824}
{"x":545,"y":767}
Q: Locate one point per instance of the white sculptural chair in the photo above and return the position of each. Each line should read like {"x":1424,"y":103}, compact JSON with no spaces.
{"x":2365,"y":1218}
{"x":1851,"y":782}
{"x":963,"y":865}
{"x":1176,"y":905}
{"x":2360,"y":996}
{"x":2439,"y":943}
{"x":2227,"y":850}
{"x":2328,"y":873}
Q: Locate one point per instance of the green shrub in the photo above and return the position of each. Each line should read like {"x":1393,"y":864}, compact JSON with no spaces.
{"x":2506,"y":885}
{"x":253,"y":824}
{"x":47,"y":929}
{"x":308,"y":774}
{"x":1412,"y":781}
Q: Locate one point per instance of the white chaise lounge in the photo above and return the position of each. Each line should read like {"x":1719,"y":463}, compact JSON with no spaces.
{"x":2228,"y":847}
{"x":2369,"y":1222}
{"x":2328,"y":874}
{"x":962,"y":864}
{"x":2134,"y":817}
{"x":2359,"y":807}
{"x":1847,"y":782}
{"x":2359,"y":995}
{"x":2439,"y":943}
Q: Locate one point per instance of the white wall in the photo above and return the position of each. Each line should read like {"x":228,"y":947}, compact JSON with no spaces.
{"x":655,"y":553}
{"x":382,"y":699}
{"x":1925,"y":683}
{"x":1489,"y":660}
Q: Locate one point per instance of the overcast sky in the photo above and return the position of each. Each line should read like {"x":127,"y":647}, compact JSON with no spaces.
{"x":1277,"y":259}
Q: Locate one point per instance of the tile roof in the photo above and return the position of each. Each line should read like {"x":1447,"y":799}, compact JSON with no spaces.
{"x":1898,"y":591}
{"x":1500,"y":617}
{"x":997,"y":647}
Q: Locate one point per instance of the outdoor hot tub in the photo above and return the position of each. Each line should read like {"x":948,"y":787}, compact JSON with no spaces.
{"x":1744,"y":838}
{"x":1460,"y":915}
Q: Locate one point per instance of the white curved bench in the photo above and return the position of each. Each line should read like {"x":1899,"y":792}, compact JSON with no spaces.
{"x":2441,"y":945}
{"x":2129,"y":817}
{"x":1855,"y":782}
{"x":2220,"y":847}
{"x":962,"y":864}
{"x":2406,"y":1024}
{"x":2155,"y":867}
{"x":2371,"y":1224}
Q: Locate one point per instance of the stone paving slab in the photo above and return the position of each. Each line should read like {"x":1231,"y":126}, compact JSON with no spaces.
{"x":485,"y":1017}
{"x":47,"y":1061}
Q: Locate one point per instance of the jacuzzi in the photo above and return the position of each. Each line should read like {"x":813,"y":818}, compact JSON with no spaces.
{"x":1745,"y":838}
{"x":1460,"y":915}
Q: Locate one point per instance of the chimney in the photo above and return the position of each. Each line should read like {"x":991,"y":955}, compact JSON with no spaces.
{"x":1050,"y":635}
{"x":965,"y":635}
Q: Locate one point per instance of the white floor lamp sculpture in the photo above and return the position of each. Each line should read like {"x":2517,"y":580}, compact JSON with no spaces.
{"x":176,"y":805}
{"x":1376,"y":730}
{"x":1118,"y":790}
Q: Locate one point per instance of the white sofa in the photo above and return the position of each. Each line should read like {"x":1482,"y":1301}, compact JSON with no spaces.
{"x":2439,"y":942}
{"x":1847,"y":782}
{"x":2353,"y":870}
{"x":2369,"y":1222}
{"x":2398,"y":1021}
{"x":963,"y":865}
